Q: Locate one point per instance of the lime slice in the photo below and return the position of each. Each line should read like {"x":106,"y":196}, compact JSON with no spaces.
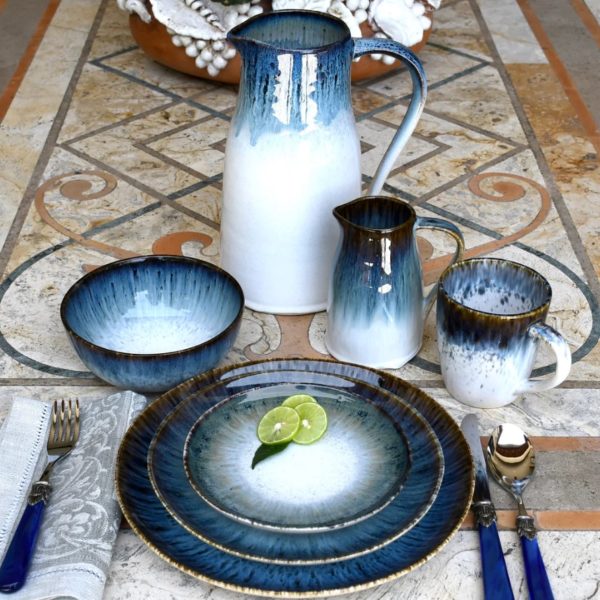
{"x":279,"y":425}
{"x":297,"y":399}
{"x":313,"y":423}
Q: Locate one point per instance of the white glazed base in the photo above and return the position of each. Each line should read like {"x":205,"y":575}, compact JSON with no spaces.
{"x":285,"y":310}
{"x":392,"y":363}
{"x":278,"y":233}
{"x":484,"y":379}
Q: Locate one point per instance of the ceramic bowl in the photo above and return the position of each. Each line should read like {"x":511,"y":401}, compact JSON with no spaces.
{"x":148,"y":323}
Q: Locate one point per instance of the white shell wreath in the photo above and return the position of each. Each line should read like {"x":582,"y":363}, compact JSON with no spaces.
{"x":201,"y":26}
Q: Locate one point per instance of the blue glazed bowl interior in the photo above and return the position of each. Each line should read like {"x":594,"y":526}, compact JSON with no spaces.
{"x":152,"y":306}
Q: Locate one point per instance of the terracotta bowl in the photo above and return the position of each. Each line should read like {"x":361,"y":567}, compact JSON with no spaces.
{"x":155,"y":41}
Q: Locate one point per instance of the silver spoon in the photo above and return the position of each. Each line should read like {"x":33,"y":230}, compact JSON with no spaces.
{"x":511,"y":460}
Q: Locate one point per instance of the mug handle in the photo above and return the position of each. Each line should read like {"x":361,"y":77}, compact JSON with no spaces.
{"x":558,"y":344}
{"x":452,"y":230}
{"x":415,"y":108}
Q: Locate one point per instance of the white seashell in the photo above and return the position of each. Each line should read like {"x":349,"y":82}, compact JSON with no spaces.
{"x":201,"y":64}
{"x":200,"y":44}
{"x":135,"y":6}
{"x":206,"y":54}
{"x":179,"y":17}
{"x":388,"y":60}
{"x":191,"y":50}
{"x":364,"y":4}
{"x":229,"y":53}
{"x":398,"y":21}
{"x":435,"y":3}
{"x":418,"y":9}
{"x":219,"y":62}
{"x":218,"y":45}
{"x":340,"y":10}
{"x":376,"y":56}
{"x":212,"y":70}
{"x":255,"y":10}
{"x":230,"y":20}
{"x":196,"y":5}
{"x":185,"y":39}
{"x":176,"y":41}
{"x":361,"y":15}
{"x":318,"y":5}
{"x":425,"y":22}
{"x":242,"y":9}
{"x":352,"y":4}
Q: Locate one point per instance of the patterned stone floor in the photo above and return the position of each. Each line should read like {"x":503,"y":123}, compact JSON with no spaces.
{"x":107,"y":155}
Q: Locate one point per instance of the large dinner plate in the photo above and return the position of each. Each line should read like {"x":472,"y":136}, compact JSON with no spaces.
{"x":364,"y":448}
{"x":161,"y":532}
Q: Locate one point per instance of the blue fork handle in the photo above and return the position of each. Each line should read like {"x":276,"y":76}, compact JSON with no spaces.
{"x":496,"y":583}
{"x":13,"y":570}
{"x":537,"y":578}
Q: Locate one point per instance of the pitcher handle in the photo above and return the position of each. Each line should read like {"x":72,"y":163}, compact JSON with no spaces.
{"x":415,"y":108}
{"x":452,"y":230}
{"x":558,"y":344}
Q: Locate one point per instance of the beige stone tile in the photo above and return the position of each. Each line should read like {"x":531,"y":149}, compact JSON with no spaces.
{"x":455,"y":26}
{"x":466,"y":151}
{"x":113,"y":33}
{"x":377,"y":136}
{"x":511,"y":33}
{"x":103,"y":98}
{"x":199,"y":147}
{"x":479,"y":99}
{"x":136,"y":64}
{"x":205,"y":201}
{"x":32,"y":112}
{"x":439,"y":64}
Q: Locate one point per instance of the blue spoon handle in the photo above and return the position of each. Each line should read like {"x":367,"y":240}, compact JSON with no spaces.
{"x":496,"y":583}
{"x":13,"y":570}
{"x":537,"y":578}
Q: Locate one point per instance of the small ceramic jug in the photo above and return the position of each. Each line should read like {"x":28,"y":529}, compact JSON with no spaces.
{"x":293,"y":153}
{"x":490,"y":317}
{"x":376,"y":307}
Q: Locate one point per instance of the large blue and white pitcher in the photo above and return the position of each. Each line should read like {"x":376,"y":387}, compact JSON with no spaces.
{"x":293,"y":154}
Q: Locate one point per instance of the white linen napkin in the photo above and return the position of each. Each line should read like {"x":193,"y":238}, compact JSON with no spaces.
{"x":81,"y":520}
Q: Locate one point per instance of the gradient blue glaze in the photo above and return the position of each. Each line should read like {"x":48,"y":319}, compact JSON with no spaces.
{"x":491,"y":329}
{"x":496,"y":583}
{"x":148,"y":516}
{"x":14,"y":568}
{"x":537,"y":577}
{"x":377,"y":272}
{"x":317,"y":50}
{"x":208,"y":297}
{"x":418,"y":491}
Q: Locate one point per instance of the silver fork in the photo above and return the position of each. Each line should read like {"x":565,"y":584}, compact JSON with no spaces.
{"x":62,"y":437}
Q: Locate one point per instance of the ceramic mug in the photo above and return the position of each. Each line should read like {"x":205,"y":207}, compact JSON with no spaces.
{"x":376,"y":307}
{"x":490,"y":318}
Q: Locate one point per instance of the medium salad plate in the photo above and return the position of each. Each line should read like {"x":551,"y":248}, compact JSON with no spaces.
{"x":169,"y":539}
{"x":369,"y":430}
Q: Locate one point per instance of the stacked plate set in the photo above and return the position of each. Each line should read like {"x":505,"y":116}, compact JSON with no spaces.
{"x":379,"y":494}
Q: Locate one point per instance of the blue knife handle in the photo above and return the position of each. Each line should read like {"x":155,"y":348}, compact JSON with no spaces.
{"x":537,"y":578}
{"x":496,"y":583}
{"x":13,"y":570}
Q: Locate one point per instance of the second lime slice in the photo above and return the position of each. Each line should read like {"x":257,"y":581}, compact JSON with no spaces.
{"x":279,"y":425}
{"x":297,"y":399}
{"x":313,"y":423}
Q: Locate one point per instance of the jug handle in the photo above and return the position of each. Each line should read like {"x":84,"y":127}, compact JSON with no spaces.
{"x":415,"y":108}
{"x":453,"y":231}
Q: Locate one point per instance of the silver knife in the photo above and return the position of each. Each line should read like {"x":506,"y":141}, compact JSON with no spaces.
{"x":496,"y":583}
